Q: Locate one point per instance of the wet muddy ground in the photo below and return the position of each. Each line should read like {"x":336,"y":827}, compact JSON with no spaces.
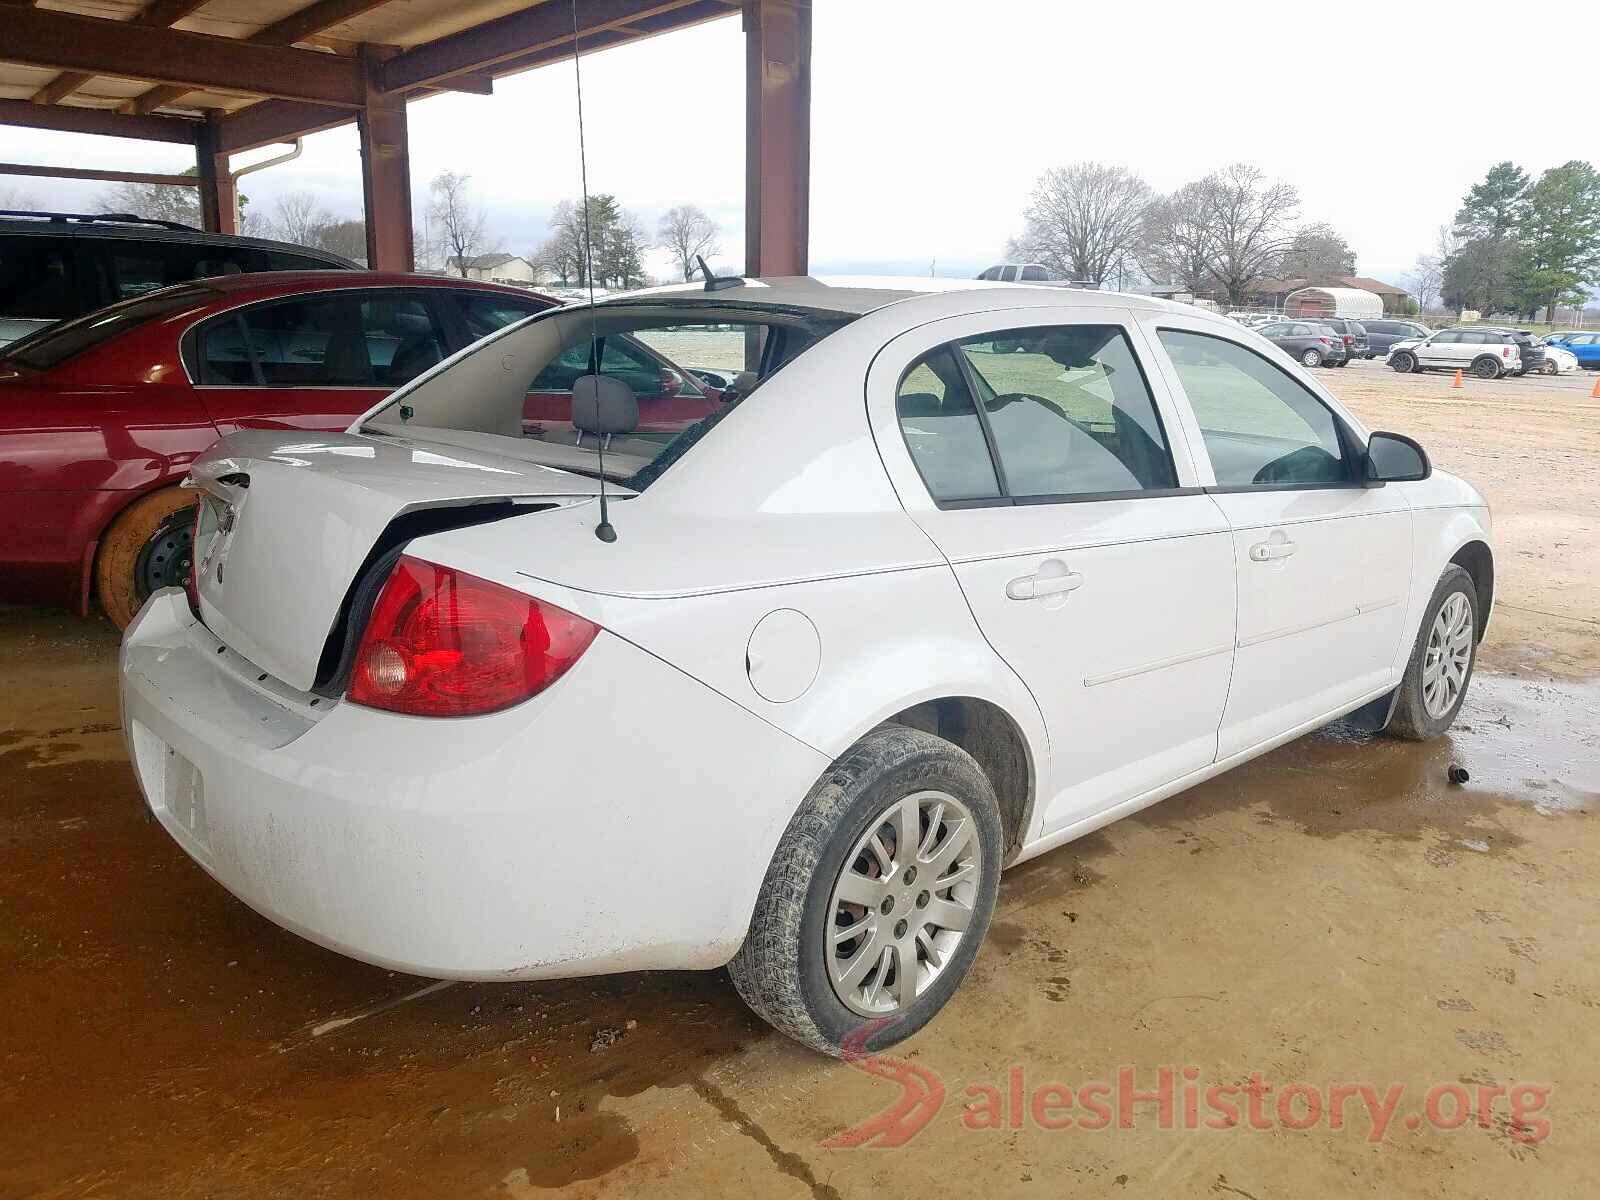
{"x":1333,"y":912}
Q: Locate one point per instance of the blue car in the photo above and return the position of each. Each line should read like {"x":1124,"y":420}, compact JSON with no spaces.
{"x":1585,"y":348}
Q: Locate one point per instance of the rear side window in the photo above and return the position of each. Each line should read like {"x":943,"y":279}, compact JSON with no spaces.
{"x":942,"y":431}
{"x":1261,"y":427}
{"x":1066,"y":410}
{"x":484,"y":314}
{"x":1034,"y":274}
{"x":345,"y":339}
{"x":36,"y":281}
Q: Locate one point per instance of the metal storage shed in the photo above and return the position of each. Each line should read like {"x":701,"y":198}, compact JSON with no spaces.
{"x":1332,"y":302}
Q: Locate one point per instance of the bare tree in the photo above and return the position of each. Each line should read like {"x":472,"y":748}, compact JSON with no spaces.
{"x":153,"y":201}
{"x":1083,"y":220}
{"x":459,"y":222}
{"x":1247,"y":221}
{"x":1175,"y":243}
{"x":687,"y":232}
{"x":298,"y":217}
{"x":1426,"y":278}
{"x":17,"y":198}
{"x":562,"y":254}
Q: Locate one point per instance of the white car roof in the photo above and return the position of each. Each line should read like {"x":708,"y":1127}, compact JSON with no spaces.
{"x":861,"y":294}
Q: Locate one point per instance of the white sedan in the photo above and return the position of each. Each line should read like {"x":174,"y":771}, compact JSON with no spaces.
{"x":948,"y":577}
{"x":1558,"y":360}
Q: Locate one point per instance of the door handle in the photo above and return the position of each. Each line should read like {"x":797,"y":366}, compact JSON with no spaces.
{"x":1267,"y":551}
{"x":1030,"y":587}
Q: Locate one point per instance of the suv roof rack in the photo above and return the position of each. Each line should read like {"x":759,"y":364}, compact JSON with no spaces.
{"x":94,"y":218}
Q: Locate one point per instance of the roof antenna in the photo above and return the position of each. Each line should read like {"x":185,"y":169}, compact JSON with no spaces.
{"x":715,"y":283}
{"x":604,"y":530}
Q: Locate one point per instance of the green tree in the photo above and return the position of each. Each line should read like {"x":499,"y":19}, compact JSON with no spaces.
{"x":616,"y":244}
{"x":1559,"y":232}
{"x":1493,"y":207}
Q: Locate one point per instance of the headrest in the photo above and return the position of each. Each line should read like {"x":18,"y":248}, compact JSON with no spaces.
{"x":603,"y":405}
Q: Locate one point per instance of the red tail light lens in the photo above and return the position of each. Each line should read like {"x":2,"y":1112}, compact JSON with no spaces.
{"x":1505,"y":351}
{"x":442,"y":643}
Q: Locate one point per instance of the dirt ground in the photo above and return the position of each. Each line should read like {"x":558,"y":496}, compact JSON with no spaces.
{"x":1332,"y":913}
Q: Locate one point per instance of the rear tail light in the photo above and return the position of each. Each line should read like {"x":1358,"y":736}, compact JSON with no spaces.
{"x":1325,"y":341}
{"x":1505,"y":351}
{"x":442,"y":643}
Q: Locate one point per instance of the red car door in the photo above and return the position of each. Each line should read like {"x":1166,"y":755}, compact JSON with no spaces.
{"x":313,"y":362}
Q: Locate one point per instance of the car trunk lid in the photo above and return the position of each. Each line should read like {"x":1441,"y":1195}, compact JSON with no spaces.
{"x":288,"y":522}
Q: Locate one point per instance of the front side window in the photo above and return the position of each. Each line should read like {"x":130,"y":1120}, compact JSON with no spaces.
{"x":1262,"y":428}
{"x":1447,"y":338}
{"x":1066,"y":409}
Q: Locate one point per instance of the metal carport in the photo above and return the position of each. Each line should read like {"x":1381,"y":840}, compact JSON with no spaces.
{"x":232,"y":75}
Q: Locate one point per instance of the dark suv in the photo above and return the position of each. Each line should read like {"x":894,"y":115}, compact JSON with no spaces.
{"x":59,"y":265}
{"x":1385,"y":333}
{"x":1354,"y":334}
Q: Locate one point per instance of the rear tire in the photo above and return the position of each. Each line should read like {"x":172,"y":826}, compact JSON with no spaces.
{"x":1446,"y":651}
{"x":1311,"y":358}
{"x":1487,"y":366}
{"x":146,"y":547}
{"x":794,"y":969}
{"x":1403,"y":362}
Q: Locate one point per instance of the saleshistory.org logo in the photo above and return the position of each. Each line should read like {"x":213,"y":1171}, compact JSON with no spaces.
{"x":1178,"y":1098}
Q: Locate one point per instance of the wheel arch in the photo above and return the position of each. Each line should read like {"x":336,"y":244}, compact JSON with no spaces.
{"x":104,"y":519}
{"x":1499,"y":364}
{"x":1477,"y":560}
{"x":990,"y":734}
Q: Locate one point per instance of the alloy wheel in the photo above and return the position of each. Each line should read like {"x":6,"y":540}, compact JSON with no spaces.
{"x":1448,"y":657}
{"x":902,"y":902}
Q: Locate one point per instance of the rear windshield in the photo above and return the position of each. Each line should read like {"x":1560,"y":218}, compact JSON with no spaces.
{"x":685,"y":369}
{"x":50,"y":347}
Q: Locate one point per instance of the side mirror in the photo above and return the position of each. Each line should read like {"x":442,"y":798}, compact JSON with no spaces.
{"x":1395,"y":458}
{"x":671,"y":382}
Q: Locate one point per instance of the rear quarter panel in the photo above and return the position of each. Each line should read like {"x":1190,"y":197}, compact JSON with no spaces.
{"x":71,"y":458}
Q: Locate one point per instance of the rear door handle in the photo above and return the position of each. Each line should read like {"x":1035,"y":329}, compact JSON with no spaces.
{"x":1029,"y":587}
{"x":1267,"y":551}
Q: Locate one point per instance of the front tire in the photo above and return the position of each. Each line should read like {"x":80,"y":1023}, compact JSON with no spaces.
{"x":1403,"y":362}
{"x":1550,"y":368}
{"x":1436,"y":678}
{"x":878,"y":896}
{"x":147,"y":547}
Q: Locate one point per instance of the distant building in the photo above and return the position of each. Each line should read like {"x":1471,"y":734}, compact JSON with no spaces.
{"x":495,"y":268}
{"x":1271,"y":293}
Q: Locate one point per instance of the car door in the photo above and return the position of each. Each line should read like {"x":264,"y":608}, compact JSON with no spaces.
{"x":1586,"y":348}
{"x":1036,"y":451}
{"x":1323,"y":561}
{"x":1437,"y":350}
{"x":313,"y":362}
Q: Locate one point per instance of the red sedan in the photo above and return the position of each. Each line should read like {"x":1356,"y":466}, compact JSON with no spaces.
{"x":100,"y":417}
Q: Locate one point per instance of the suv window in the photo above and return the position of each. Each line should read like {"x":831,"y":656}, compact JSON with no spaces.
{"x":1261,"y":427}
{"x":1448,"y":338}
{"x":1035,"y":274}
{"x":36,"y":279}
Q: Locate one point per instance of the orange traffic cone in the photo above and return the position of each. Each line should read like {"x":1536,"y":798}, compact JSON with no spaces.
{"x":1458,"y":382}
{"x":1594,"y":393}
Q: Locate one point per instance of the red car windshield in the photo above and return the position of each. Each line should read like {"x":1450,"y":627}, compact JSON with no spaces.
{"x":54,"y":345}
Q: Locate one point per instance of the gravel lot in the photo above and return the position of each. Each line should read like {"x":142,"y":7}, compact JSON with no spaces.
{"x":1332,"y":912}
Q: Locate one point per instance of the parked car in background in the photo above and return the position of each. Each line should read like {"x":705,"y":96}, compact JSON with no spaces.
{"x":1035,"y":273}
{"x":101,"y":417}
{"x":909,"y":612}
{"x":56,"y":266}
{"x":1558,"y":360}
{"x":1311,"y":344}
{"x":1585,"y":347}
{"x":1381,"y":334}
{"x":1487,"y":353}
{"x":1531,"y":348}
{"x":1352,"y":333}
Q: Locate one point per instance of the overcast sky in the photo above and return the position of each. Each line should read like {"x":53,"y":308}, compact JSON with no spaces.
{"x":931,"y":120}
